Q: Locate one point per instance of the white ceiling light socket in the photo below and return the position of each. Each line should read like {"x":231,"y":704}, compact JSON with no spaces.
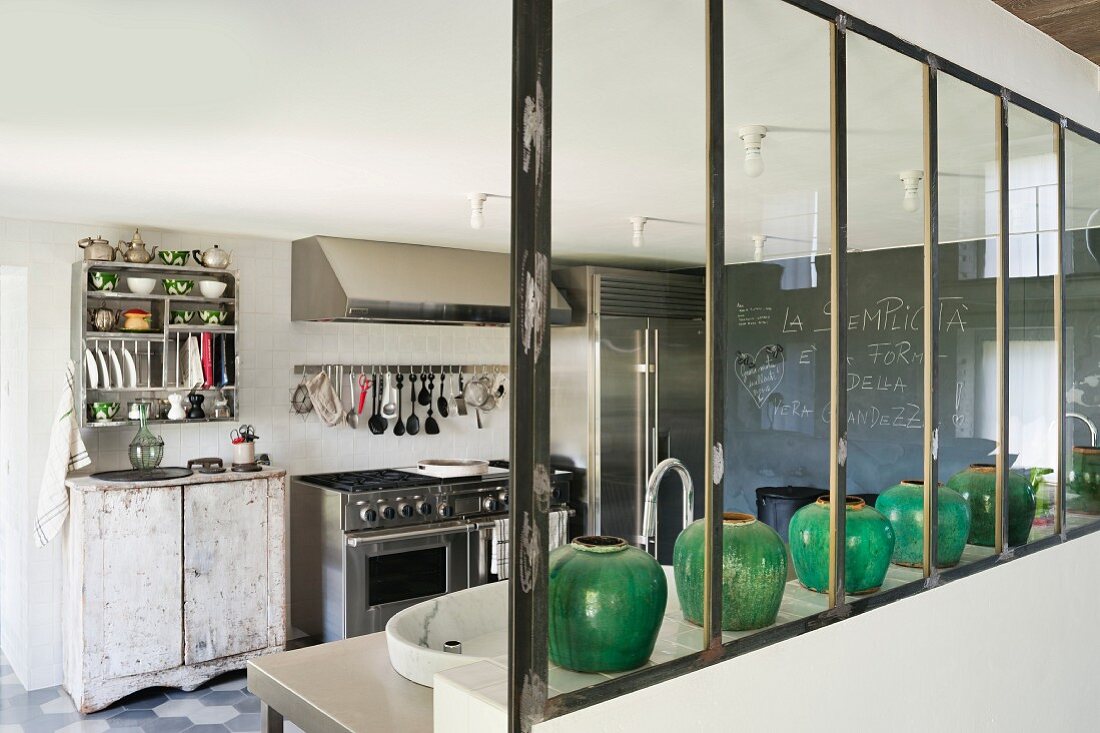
{"x":758,"y":247}
{"x":477,"y":209}
{"x":751,"y":135}
{"x":911,"y":179}
{"x":638,"y":224}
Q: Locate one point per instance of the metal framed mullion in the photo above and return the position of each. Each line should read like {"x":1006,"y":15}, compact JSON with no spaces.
{"x":1060,"y":327}
{"x":530,"y":364}
{"x":838,"y":333}
{"x":714,"y":469}
{"x":931,"y":321}
{"x":1001,"y":523}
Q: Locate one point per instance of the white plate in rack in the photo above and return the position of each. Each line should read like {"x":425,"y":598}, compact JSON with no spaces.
{"x":116,"y":368}
{"x":131,"y":368}
{"x":452,"y":467}
{"x":106,"y":375}
{"x":93,"y":370}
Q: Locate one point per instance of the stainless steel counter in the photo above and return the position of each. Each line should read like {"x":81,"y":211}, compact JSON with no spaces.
{"x":340,"y":687}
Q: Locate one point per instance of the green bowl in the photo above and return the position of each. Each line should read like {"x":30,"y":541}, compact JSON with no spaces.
{"x":213,"y":318}
{"x":102,"y":411}
{"x":176,"y":257}
{"x":102,"y":280}
{"x":178,"y":287}
{"x":182,"y":316}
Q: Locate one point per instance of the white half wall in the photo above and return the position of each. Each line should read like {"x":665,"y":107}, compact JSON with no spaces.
{"x":1010,"y":649}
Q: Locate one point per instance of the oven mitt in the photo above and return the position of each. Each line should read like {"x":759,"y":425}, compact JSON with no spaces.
{"x":326,"y":403}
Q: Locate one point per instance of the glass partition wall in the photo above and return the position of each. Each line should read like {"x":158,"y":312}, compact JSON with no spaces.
{"x":845,"y":282}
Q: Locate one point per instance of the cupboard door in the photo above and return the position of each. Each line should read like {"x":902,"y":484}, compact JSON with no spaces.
{"x":225,"y":569}
{"x":132,"y":610}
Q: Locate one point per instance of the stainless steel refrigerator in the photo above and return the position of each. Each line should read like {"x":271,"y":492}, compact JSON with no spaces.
{"x":628,"y":391}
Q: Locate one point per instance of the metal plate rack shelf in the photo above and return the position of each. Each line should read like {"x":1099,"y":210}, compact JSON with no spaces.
{"x":149,"y":365}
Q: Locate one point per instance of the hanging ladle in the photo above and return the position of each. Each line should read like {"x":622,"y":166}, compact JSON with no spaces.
{"x":431,"y":427}
{"x":376,"y":423}
{"x":425,"y":396}
{"x":412,"y":425}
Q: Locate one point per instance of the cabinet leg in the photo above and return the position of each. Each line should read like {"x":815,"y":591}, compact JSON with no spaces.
{"x":270,"y":721}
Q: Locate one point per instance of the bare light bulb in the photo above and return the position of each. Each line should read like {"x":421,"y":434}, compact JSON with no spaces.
{"x":911,"y":179}
{"x":477,"y":209}
{"x":638,"y":225}
{"x":751,"y":136}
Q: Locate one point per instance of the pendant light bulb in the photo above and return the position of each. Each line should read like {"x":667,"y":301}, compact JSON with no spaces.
{"x":758,"y":247}
{"x":477,"y":209}
{"x":638,"y":225}
{"x":911,"y":179}
{"x":751,"y":136}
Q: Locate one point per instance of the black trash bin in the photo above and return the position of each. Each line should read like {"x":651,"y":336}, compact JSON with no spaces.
{"x":775,"y":505}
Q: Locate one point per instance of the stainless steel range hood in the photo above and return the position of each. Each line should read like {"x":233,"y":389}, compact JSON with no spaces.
{"x":336,"y":279}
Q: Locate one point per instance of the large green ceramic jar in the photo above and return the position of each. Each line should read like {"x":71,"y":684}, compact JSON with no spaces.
{"x":606,"y":602}
{"x":903,"y":506}
{"x":754,"y":572}
{"x":870,"y":543}
{"x":1084,"y":480}
{"x":978,"y":485}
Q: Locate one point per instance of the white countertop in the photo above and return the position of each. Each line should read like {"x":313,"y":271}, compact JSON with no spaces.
{"x":87,"y":483}
{"x":341,"y":687}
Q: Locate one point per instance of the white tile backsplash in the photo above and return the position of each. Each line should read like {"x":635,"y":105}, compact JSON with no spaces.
{"x":270,"y":345}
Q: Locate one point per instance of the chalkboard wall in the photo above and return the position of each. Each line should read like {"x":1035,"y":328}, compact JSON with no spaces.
{"x":777,"y":377}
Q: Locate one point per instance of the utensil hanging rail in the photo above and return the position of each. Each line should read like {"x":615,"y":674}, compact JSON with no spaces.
{"x":403,"y":368}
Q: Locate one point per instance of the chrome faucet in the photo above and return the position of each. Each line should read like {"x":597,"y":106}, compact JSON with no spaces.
{"x":649,"y":516}
{"x":1088,"y":423}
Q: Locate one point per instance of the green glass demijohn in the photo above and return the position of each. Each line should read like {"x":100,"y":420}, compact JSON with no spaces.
{"x":978,"y":485}
{"x":606,"y":602}
{"x":146,"y":449}
{"x":903,"y":506}
{"x":754,"y":572}
{"x":1084,"y":480}
{"x":867,"y":552}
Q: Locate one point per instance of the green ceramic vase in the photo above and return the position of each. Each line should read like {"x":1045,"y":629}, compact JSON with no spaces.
{"x":867,"y":552}
{"x":754,"y":572}
{"x":606,"y":601}
{"x":978,"y":485}
{"x":903,"y":506}
{"x":1084,"y":480}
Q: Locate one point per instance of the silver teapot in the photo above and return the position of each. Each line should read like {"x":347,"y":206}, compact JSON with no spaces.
{"x":214,"y":257}
{"x":96,"y":248}
{"x":134,"y":250}
{"x":102,"y":319}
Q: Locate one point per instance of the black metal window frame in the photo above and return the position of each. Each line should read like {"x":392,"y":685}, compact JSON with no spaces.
{"x":530,"y":344}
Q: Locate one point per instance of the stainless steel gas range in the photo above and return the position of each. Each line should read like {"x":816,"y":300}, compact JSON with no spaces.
{"x":367,"y":544}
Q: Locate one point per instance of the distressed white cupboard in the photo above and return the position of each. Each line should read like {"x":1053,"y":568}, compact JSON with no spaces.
{"x":171,"y":584}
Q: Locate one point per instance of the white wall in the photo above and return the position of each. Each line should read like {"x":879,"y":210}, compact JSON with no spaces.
{"x":1011,"y":649}
{"x":269,"y":347}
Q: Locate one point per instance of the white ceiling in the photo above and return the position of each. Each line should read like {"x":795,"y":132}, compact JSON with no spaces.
{"x":374,"y":119}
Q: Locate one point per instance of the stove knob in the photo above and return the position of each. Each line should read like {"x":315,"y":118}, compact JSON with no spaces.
{"x":406,"y":510}
{"x":503,"y":497}
{"x":424,"y":508}
{"x":491,"y":504}
{"x":446,"y":510}
{"x":369,"y":515}
{"x":388,"y":513}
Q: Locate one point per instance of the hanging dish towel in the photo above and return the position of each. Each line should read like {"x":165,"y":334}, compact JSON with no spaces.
{"x":66,"y":453}
{"x":192,"y":367}
{"x":326,"y":403}
{"x":558,"y":530}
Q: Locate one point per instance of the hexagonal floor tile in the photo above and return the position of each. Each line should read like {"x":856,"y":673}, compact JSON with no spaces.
{"x":251,"y":704}
{"x":222,"y":697}
{"x":246,"y":723}
{"x":144,"y":700}
{"x":62,"y":704}
{"x":130,"y":718}
{"x":85,"y":726}
{"x":219,"y":714}
{"x":178,"y":708}
{"x":209,"y":728}
{"x":50,"y":723}
{"x":165,"y":725}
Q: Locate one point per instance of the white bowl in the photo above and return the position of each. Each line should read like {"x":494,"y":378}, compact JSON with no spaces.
{"x":141,"y":285}
{"x":211,"y":288}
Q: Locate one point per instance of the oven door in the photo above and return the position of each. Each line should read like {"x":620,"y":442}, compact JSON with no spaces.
{"x":389,"y":571}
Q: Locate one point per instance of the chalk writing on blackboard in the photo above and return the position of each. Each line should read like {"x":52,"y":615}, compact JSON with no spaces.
{"x":761,"y":374}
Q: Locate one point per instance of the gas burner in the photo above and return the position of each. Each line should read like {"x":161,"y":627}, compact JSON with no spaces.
{"x":384,"y":478}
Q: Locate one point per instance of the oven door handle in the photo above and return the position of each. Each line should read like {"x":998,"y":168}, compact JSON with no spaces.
{"x":372,"y":537}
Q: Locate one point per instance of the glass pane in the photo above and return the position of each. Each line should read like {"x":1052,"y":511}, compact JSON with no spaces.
{"x":778,"y":240}
{"x":968,"y":221}
{"x":628,"y":374}
{"x":1032,"y":351}
{"x":885,"y":307}
{"x":1082,"y":341}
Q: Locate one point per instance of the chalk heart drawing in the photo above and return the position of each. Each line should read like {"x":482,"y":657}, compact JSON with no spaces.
{"x":761,"y":374}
